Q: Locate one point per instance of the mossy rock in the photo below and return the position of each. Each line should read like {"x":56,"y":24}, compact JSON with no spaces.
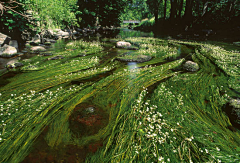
{"x":191,"y":66}
{"x":132,"y":48}
{"x":14,"y":63}
{"x":46,"y":54}
{"x":29,"y":68}
{"x":134,"y":57}
{"x":56,"y":57}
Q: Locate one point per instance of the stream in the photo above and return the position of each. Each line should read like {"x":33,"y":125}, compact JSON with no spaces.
{"x":89,"y":117}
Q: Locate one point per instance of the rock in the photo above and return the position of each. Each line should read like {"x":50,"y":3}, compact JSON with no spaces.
{"x":235,"y":103}
{"x":123,"y":44}
{"x":24,"y":51}
{"x":56,"y":57}
{"x":14,"y":63}
{"x":49,"y":40}
{"x":27,"y":45}
{"x":47,"y":43}
{"x":132,"y":48}
{"x":38,"y":49}
{"x":191,"y":66}
{"x":4,"y":39}
{"x":46,"y":54}
{"x":232,"y":109}
{"x":36,"y":40}
{"x":236,"y":43}
{"x":14,"y":43}
{"x":71,"y":44}
{"x":134,"y":57}
{"x":90,"y":109}
{"x":30,"y":67}
{"x":8,"y":51}
{"x":49,"y":34}
{"x":20,"y":54}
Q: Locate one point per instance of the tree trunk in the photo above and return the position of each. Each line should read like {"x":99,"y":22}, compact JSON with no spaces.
{"x":173,"y":9}
{"x":165,"y":9}
{"x":188,"y":10}
{"x":197,"y":6}
{"x":180,"y":9}
{"x":156,"y":17}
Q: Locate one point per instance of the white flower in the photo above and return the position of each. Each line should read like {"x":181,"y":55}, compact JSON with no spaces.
{"x":218,"y":149}
{"x":206,"y":150}
{"x":160,"y":158}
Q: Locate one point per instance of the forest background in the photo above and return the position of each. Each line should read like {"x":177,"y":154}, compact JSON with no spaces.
{"x":35,"y":16}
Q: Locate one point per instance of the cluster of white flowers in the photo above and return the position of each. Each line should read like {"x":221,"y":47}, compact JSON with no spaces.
{"x":19,"y":109}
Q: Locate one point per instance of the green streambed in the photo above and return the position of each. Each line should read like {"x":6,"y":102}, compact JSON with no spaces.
{"x":90,"y":107}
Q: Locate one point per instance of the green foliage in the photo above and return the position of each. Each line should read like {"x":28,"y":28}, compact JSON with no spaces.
{"x":136,"y":10}
{"x":103,"y":12}
{"x":54,"y":13}
{"x":14,"y":20}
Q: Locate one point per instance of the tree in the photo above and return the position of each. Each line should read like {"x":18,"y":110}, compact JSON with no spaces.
{"x":13,"y":20}
{"x":105,"y":11}
{"x":136,"y":10}
{"x":154,"y":6}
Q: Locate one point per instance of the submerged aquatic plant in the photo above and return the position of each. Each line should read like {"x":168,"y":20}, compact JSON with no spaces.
{"x":156,"y":113}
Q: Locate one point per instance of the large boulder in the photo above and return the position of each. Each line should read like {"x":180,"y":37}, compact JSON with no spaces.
{"x":4,"y":39}
{"x":8,"y":51}
{"x":123,"y":44}
{"x":38,"y":49}
{"x":191,"y":66}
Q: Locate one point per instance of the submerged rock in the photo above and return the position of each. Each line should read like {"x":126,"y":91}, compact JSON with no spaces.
{"x":90,"y":109}
{"x":30,"y":67}
{"x":87,"y":120}
{"x":56,"y":57}
{"x":235,"y":103}
{"x":123,"y":44}
{"x":134,"y":57}
{"x":191,"y":66}
{"x":46,"y":54}
{"x":132,"y":48}
{"x":232,"y":109}
{"x":8,"y":51}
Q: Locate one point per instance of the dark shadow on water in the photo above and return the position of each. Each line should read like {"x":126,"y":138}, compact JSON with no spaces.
{"x":86,"y":120}
{"x":229,"y":110}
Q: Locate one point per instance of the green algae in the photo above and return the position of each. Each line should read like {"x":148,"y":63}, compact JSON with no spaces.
{"x":180,"y":120}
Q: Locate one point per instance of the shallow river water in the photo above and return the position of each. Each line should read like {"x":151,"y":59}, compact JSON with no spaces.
{"x":88,"y":114}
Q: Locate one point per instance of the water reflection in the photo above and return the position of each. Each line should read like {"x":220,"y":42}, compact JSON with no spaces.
{"x":131,"y":66}
{"x":124,"y":33}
